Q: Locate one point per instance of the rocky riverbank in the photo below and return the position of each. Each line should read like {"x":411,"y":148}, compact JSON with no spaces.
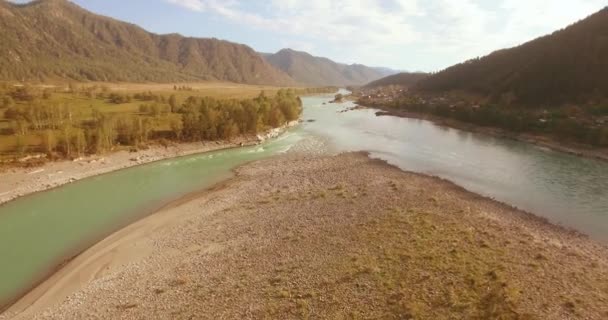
{"x":539,"y":140}
{"x":301,"y":236}
{"x":17,"y":182}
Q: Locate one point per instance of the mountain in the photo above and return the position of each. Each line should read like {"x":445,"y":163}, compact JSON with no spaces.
{"x":317,"y":71}
{"x":568,"y":66}
{"x":56,"y":39}
{"x":386,"y":71}
{"x":407,"y":79}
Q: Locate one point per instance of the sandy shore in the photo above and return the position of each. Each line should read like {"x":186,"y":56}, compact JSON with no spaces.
{"x":539,"y":140}
{"x":17,"y":182}
{"x":300,"y":236}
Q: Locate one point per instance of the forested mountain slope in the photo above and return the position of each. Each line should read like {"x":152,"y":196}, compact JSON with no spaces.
{"x":56,"y":39}
{"x":406,"y":79}
{"x":568,"y":66}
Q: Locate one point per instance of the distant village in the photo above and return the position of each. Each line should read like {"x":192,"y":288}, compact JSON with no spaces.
{"x":399,"y":94}
{"x":401,"y":97}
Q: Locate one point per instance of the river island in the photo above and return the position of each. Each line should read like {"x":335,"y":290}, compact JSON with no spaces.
{"x":340,"y":236}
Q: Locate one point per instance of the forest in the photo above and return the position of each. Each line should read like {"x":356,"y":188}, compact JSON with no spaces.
{"x":587,"y":125}
{"x":72,"y":122}
{"x":403,"y":79}
{"x":567,"y":67}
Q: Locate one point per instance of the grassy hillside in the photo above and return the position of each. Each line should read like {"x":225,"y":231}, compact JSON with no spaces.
{"x":56,"y":39}
{"x":310,"y":70}
{"x":568,"y":66}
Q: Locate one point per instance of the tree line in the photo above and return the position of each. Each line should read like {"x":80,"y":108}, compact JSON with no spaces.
{"x":582,"y":125}
{"x":64,"y":130}
{"x":319,"y":90}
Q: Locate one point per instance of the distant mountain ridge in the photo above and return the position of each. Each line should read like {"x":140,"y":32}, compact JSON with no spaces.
{"x":406,"y":79}
{"x":56,"y":39}
{"x":568,"y":66}
{"x":318,"y":71}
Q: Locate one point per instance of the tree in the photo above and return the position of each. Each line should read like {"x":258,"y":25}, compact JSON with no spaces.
{"x":79,"y":141}
{"x":229,"y":130}
{"x":20,"y":144}
{"x":49,"y":141}
{"x":276,"y":118}
{"x":72,"y":132}
{"x":66,"y":139}
{"x":155,"y":110}
{"x":20,"y":126}
{"x":146,"y":126}
{"x":104,"y":132}
{"x":173,"y":103}
{"x":177,"y":126}
{"x":7,"y":102}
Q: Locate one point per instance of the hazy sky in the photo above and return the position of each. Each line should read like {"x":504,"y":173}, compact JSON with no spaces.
{"x":426,"y":35}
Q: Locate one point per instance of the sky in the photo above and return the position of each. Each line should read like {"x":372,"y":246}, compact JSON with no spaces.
{"x":412,"y":35}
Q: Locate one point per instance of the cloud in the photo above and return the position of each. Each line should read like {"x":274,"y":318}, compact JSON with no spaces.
{"x":343,"y":20}
{"x":535,"y":18}
{"x":196,"y":5}
{"x":461,"y":30}
{"x":299,"y":45}
{"x":433,"y":34}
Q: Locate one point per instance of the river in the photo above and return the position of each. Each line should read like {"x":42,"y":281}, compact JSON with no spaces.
{"x":38,"y":232}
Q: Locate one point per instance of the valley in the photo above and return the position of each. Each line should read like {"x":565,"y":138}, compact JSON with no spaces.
{"x":200,"y":159}
{"x":455,"y":156}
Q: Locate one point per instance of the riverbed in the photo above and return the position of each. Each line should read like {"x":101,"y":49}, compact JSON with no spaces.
{"x":38,"y":232}
{"x":567,"y":190}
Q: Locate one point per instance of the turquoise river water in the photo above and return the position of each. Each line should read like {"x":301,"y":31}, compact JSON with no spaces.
{"x":38,"y":232}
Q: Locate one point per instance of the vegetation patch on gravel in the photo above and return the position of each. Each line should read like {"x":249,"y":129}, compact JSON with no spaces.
{"x":346,"y":237}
